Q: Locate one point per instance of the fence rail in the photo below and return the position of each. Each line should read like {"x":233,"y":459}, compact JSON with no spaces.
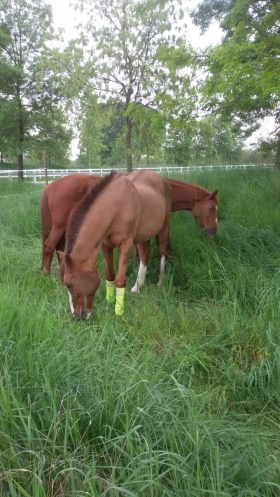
{"x":37,"y":175}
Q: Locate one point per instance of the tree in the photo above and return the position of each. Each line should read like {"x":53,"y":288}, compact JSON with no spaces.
{"x":206,"y":141}
{"x":53,"y":137}
{"x":245,"y":67}
{"x":113,"y":133}
{"x":90,"y":122}
{"x":149,"y":131}
{"x":28,"y":94}
{"x":126,"y":35}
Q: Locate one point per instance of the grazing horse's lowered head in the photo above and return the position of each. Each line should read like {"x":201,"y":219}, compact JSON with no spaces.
{"x":205,"y":213}
{"x":81,"y":284}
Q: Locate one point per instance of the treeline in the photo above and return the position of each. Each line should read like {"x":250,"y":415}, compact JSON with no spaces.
{"x":133,"y":89}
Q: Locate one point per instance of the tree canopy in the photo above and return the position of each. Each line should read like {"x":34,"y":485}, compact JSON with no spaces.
{"x":29,"y":96}
{"x":244,"y":69}
{"x":131,"y":85}
{"x":125,"y":38}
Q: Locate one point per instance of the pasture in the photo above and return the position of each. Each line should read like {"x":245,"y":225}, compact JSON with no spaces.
{"x":180,"y":395}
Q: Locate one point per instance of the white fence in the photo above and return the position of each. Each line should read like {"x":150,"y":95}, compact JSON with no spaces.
{"x":40,"y":174}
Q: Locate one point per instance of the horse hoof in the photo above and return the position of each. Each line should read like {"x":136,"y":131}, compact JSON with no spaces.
{"x":134,"y":290}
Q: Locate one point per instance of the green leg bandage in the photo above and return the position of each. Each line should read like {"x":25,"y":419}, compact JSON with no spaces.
{"x":119,"y":308}
{"x":110,"y":292}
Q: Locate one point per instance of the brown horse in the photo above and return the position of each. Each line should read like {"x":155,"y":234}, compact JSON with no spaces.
{"x":60,"y":197}
{"x":57,"y":201}
{"x":119,"y":212}
{"x":198,"y":200}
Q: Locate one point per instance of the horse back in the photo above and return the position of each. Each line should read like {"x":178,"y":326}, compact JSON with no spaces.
{"x":154,"y":189}
{"x":63,"y":195}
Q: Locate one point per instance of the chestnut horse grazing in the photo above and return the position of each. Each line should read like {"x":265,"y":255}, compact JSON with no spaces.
{"x":60,"y":197}
{"x":57,"y":201}
{"x":198,"y":200}
{"x":119,"y":212}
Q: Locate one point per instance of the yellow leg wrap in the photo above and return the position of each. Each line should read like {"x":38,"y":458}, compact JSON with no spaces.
{"x":110,"y":291}
{"x":119,"y":308}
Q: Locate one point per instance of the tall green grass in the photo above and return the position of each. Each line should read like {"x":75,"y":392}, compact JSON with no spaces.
{"x":180,"y":396}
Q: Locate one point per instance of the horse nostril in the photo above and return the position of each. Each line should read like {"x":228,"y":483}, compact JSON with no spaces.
{"x":210,"y":232}
{"x":77,"y":317}
{"x":83,"y":313}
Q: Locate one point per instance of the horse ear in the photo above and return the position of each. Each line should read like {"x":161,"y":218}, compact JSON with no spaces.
{"x":213,"y":195}
{"x":60,"y":256}
{"x":66,"y":258}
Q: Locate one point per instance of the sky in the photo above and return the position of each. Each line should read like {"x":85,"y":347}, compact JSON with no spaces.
{"x":66,"y":17}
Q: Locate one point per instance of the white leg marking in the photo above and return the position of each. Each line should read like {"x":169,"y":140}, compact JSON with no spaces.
{"x":162,"y":270}
{"x":89,"y":313}
{"x":140,"y":278}
{"x":71,"y":303}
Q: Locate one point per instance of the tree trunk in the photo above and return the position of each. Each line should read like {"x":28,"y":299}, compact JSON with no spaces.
{"x":21,"y":140}
{"x":277,"y":158}
{"x":20,"y":167}
{"x":128,"y":145}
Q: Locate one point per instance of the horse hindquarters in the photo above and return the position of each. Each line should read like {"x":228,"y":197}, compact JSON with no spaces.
{"x":53,"y":237}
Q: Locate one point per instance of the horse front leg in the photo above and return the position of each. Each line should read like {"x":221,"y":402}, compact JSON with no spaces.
{"x":124,"y":251}
{"x":109,"y":272}
{"x":144,"y":253}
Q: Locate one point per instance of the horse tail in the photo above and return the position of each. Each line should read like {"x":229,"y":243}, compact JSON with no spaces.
{"x":46,"y":220}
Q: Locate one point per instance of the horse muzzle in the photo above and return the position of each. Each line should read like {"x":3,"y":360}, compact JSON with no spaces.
{"x":83,"y":314}
{"x":210,"y":232}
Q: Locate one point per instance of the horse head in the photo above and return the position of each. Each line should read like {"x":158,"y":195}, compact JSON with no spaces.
{"x":205,"y":212}
{"x":81,"y":284}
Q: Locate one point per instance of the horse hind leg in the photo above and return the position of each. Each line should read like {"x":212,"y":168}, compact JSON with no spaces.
{"x":55,"y":241}
{"x":163,"y":248}
{"x":47,"y":260}
{"x":144,"y":252}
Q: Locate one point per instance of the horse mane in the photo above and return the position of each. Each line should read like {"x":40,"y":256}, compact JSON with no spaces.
{"x":79,"y":212}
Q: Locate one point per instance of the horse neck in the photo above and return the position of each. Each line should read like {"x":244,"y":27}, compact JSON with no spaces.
{"x":186,"y":195}
{"x":91,"y":236}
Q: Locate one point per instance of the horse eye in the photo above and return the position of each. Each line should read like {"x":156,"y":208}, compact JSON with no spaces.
{"x":212,"y":208}
{"x":68,"y":285}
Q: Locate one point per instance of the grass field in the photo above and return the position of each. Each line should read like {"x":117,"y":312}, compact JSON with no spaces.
{"x":178,"y":397}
